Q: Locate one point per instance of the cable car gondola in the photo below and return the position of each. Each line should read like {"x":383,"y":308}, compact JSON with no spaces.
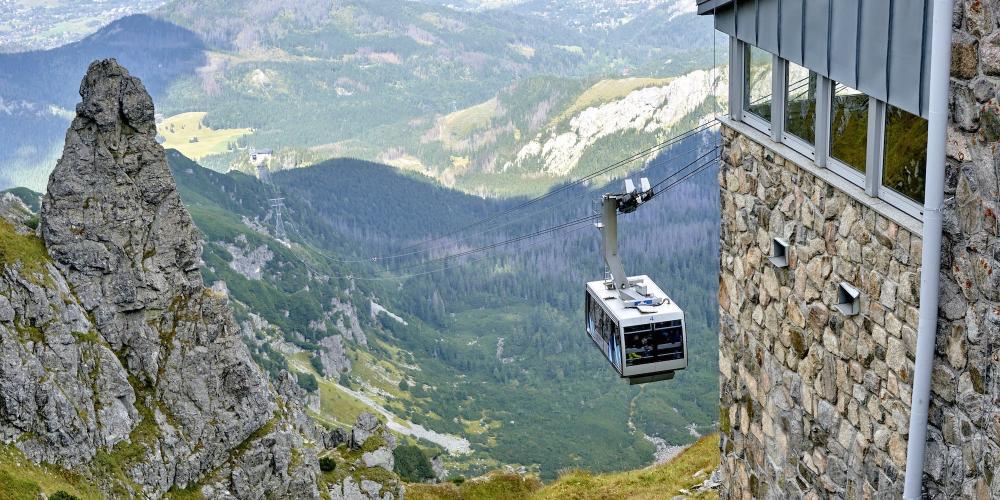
{"x":631,"y":320}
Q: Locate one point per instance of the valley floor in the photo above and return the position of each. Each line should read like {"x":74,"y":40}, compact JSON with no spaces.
{"x":686,"y":475}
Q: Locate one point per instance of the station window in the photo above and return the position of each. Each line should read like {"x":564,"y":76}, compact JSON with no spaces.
{"x":758,"y":70}
{"x":868,"y":142}
{"x":849,"y":127}
{"x":801,"y":87}
{"x":904,"y":164}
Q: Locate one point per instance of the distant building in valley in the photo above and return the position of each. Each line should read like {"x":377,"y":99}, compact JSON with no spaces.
{"x":260,"y":157}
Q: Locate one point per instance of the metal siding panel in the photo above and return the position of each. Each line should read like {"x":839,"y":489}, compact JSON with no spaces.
{"x":725,"y":20}
{"x":707,"y":6}
{"x":767,"y":25}
{"x":906,"y":54}
{"x":844,"y":41}
{"x":873,"y":52}
{"x":817,"y":25}
{"x":791,"y":30}
{"x":746,"y":21}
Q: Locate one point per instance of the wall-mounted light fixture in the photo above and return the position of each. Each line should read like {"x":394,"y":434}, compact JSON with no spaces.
{"x":779,"y":252}
{"x":848,"y":299}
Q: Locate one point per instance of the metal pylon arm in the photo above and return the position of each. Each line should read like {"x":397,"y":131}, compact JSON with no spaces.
{"x":611,"y":206}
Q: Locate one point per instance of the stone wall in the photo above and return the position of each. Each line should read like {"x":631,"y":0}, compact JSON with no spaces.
{"x":963,"y":454}
{"x":815,"y":403}
{"x":812,"y":401}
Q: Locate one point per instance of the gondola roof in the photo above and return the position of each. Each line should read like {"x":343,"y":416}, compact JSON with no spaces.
{"x":617,"y":307}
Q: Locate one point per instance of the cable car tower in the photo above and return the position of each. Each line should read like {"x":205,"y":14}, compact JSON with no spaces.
{"x":638,"y":328}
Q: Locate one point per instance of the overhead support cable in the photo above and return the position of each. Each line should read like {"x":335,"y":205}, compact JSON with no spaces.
{"x":416,"y":248}
{"x":591,"y":218}
{"x":696,"y":166}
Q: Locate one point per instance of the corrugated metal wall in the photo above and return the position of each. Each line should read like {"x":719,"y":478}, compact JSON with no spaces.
{"x":879,"y":47}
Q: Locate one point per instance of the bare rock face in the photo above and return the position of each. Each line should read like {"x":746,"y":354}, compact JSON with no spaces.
{"x":171,"y":375}
{"x":112,"y":218}
{"x":333,"y":357}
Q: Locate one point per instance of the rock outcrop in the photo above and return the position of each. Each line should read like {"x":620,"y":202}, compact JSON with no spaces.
{"x":114,"y":357}
{"x":367,"y":478}
{"x":333,"y":357}
{"x":14,"y":210}
{"x":558,"y":149}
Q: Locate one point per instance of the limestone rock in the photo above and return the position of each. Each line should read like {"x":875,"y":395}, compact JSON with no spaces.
{"x":333,"y":357}
{"x":366,"y":426}
{"x":381,"y":457}
{"x":352,"y":327}
{"x":437,"y":464}
{"x":359,"y":485}
{"x":116,"y":339}
{"x":335,"y":438}
{"x":14,"y":210}
{"x":349,"y":489}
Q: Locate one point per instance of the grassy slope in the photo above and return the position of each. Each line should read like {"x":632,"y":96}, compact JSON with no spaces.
{"x":22,"y":479}
{"x":661,"y":481}
{"x":180,"y":130}
{"x":25,"y":250}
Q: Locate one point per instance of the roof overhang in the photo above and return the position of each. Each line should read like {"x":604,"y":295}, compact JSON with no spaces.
{"x":709,"y":6}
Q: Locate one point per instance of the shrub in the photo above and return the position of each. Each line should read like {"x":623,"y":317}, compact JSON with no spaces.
{"x":412,"y":464}
{"x":327,"y":464}
{"x":316,"y":363}
{"x":307,"y":381}
{"x":62,"y":495}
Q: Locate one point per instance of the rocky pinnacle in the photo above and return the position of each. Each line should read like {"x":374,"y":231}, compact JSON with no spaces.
{"x":195,"y":405}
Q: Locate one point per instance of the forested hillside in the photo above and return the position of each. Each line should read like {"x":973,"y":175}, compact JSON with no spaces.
{"x":489,"y":348}
{"x":395,"y":124}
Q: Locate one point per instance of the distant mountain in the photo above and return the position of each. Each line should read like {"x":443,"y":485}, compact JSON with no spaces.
{"x":326,"y":79}
{"x":373,"y":79}
{"x":540,"y":131}
{"x":455,"y":95}
{"x":38,"y":90}
{"x":39,"y":25}
{"x":31,"y":199}
{"x":584,"y":15}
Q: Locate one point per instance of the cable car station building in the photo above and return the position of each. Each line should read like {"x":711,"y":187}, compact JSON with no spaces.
{"x":860,"y":249}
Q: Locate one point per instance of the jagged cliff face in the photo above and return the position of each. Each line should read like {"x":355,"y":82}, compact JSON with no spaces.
{"x":113,"y":354}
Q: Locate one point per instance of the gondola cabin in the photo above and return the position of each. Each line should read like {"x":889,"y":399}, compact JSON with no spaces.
{"x":642,"y":341}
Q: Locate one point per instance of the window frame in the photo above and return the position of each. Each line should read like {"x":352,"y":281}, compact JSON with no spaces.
{"x":837,"y":166}
{"x":870,"y":180}
{"x":790,"y":139}
{"x":885,"y":193}
{"x":757,"y":122}
{"x":841,"y":168}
